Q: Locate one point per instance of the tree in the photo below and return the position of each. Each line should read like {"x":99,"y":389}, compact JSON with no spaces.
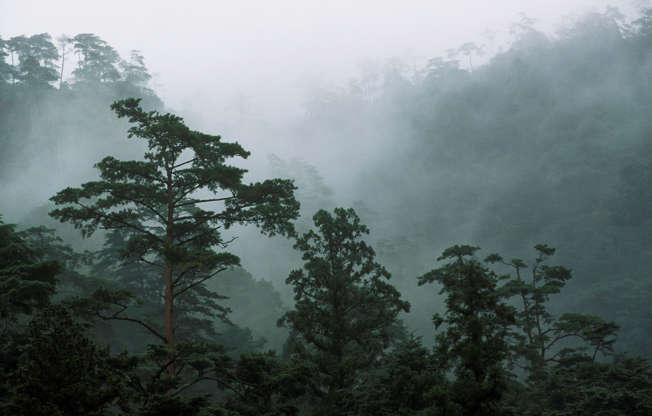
{"x":6,"y":70}
{"x":156,"y":203}
{"x":582,"y":387}
{"x":346,"y":312}
{"x":63,"y":41}
{"x":36,"y":59}
{"x":467,"y":49}
{"x":97,"y":59}
{"x":474,"y":341}
{"x":61,"y":371}
{"x":262,"y":385}
{"x":542,"y":338}
{"x":26,"y":282}
{"x":118,"y":267}
{"x":26,"y":286}
{"x":134,"y":71}
{"x":403,"y":384}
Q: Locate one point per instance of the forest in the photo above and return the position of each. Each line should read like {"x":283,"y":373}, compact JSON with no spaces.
{"x":490,"y":253}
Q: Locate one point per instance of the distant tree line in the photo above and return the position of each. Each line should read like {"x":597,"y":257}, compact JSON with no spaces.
{"x":549,"y":140}
{"x":51,"y":92}
{"x":36,"y":63}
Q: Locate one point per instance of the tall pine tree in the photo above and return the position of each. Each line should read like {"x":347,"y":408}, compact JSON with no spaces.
{"x":173,"y":206}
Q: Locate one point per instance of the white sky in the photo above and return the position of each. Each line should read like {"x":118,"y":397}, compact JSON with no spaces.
{"x":206,"y":53}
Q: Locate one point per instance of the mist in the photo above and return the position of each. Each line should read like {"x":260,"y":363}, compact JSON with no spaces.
{"x":501,"y":127}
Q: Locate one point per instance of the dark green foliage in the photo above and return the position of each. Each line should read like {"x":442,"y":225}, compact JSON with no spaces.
{"x":474,"y":340}
{"x":403,"y":384}
{"x":581,"y":387}
{"x":542,"y":338}
{"x":61,"y":372}
{"x":255,"y":384}
{"x":48,"y":246}
{"x":115,"y":262}
{"x":261,"y":385}
{"x":155,"y":204}
{"x":201,"y":314}
{"x":548,"y":140}
{"x":178,"y":406}
{"x":346,"y":312}
{"x":26,"y":282}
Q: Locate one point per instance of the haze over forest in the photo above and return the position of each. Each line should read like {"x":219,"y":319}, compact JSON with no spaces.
{"x":515,"y":129}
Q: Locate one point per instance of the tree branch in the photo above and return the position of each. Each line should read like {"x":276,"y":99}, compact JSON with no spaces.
{"x":184,"y":163}
{"x":199,"y":201}
{"x":124,"y":223}
{"x":151,"y":263}
{"x":200,"y":281}
{"x":127,"y":319}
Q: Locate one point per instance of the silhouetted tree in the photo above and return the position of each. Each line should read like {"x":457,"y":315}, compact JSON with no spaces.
{"x":346,"y":312}
{"x":474,"y":340}
{"x":156,"y":202}
{"x":542,"y":338}
{"x":36,"y":55}
{"x":97,"y":59}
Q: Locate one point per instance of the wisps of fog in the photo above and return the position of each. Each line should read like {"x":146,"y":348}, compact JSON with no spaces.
{"x":510,"y":148}
{"x":208,"y":56}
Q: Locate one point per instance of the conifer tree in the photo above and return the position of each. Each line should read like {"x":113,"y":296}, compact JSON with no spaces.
{"x":476,"y":327}
{"x":346,"y":311}
{"x":172,"y":208}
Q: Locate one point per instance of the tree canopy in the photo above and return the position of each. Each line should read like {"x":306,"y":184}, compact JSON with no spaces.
{"x":346,"y":311}
{"x":159,"y":205}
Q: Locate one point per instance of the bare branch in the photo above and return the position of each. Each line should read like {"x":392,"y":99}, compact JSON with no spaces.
{"x":184,"y":163}
{"x":200,"y":281}
{"x":199,"y":201}
{"x":127,"y":319}
{"x":151,"y":263}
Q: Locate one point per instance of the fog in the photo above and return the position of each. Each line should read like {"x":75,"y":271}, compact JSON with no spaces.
{"x":227,"y":66}
{"x":344,"y":98}
{"x":209,"y":59}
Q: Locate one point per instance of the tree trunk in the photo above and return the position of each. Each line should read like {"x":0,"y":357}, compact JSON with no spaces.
{"x":63,"y":60}
{"x":169,"y":324}
{"x":169,"y":290}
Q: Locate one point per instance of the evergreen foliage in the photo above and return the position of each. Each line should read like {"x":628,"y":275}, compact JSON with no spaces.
{"x":155,"y":203}
{"x":474,"y":341}
{"x":26,"y":282}
{"x":346,"y":312}
{"x":549,"y":139}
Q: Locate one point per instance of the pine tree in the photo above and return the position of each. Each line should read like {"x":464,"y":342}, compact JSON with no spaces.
{"x":173,"y":207}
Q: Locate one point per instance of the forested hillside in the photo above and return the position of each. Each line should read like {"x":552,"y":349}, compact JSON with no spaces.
{"x":147,"y":275}
{"x":52,"y":116}
{"x":548,"y":141}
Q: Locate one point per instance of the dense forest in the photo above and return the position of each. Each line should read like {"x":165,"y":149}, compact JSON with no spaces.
{"x":143,"y":273}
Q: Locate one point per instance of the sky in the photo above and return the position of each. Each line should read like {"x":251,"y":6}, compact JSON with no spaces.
{"x":267,"y":55}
